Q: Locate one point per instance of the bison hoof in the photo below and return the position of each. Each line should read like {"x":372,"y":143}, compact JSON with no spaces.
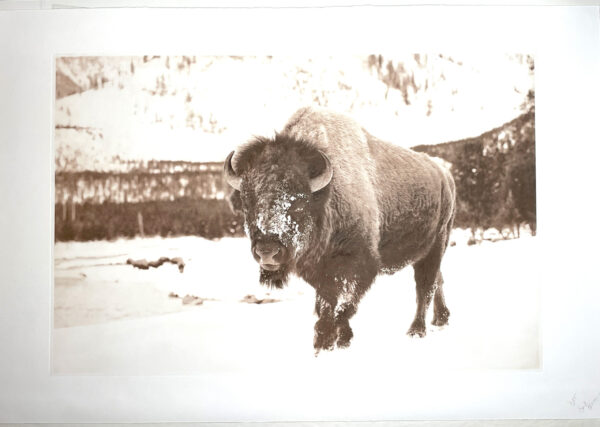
{"x":441,"y":319}
{"x":344,"y":337}
{"x":324,"y":342}
{"x":325,"y":335}
{"x":417,"y":329}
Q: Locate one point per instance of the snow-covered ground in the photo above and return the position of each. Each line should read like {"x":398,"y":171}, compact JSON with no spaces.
{"x":110,"y":318}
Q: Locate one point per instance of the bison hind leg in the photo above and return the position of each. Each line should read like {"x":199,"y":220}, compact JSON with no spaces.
{"x":440,"y":310}
{"x":428,"y":279}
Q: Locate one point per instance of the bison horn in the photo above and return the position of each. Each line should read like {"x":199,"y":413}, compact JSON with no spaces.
{"x":319,"y":182}
{"x":232,"y":179}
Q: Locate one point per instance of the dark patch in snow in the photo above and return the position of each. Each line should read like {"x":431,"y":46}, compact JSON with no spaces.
{"x":145,"y":265}
{"x":190,"y":299}
{"x":251,"y":299}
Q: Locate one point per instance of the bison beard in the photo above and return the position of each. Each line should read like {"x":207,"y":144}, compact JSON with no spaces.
{"x":344,"y":207}
{"x":274,"y":279}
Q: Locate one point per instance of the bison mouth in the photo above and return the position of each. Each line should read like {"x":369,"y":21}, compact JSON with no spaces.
{"x":270,"y":267}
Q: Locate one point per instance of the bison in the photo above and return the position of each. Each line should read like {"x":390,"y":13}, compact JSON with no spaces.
{"x":329,"y":202}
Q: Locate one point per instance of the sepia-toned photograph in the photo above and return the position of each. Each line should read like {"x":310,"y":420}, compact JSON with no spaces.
{"x":221,"y":214}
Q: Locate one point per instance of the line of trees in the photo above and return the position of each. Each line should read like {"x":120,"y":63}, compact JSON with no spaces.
{"x":495,"y":176}
{"x":138,"y":186}
{"x":211,"y":219}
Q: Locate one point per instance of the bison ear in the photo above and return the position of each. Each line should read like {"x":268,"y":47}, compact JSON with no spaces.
{"x":232,"y":179}
{"x":235,"y":202}
{"x":324,"y":177}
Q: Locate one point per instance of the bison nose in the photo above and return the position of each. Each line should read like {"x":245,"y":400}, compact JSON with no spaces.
{"x":267,"y":251}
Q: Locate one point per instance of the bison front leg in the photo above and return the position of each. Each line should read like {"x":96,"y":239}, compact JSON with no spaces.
{"x":340,"y":284}
{"x":344,"y":312}
{"x":347,"y":305}
{"x":325,"y":330}
{"x":335,"y":312}
{"x":336,"y":307}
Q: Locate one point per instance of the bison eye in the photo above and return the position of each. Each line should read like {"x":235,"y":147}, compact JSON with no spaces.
{"x":297,"y":213}
{"x":296,"y":207}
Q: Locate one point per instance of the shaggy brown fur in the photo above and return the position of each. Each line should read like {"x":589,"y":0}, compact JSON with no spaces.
{"x":386,"y":207}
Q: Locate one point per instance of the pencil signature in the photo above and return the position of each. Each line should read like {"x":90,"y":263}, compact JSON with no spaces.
{"x":583,"y":405}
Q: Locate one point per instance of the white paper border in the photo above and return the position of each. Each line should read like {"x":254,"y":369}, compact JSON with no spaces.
{"x":565,"y":41}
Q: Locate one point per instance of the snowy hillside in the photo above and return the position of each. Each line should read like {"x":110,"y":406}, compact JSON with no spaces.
{"x":199,"y":108}
{"x":110,"y":318}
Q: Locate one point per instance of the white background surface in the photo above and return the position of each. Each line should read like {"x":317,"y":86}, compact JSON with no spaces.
{"x":566,"y":44}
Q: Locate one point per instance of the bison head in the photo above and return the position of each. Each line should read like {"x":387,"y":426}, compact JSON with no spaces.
{"x":281,"y":185}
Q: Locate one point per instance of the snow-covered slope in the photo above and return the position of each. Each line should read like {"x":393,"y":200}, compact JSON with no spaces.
{"x":199,"y":108}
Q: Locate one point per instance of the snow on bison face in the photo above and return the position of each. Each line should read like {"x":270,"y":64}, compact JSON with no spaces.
{"x":277,"y":190}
